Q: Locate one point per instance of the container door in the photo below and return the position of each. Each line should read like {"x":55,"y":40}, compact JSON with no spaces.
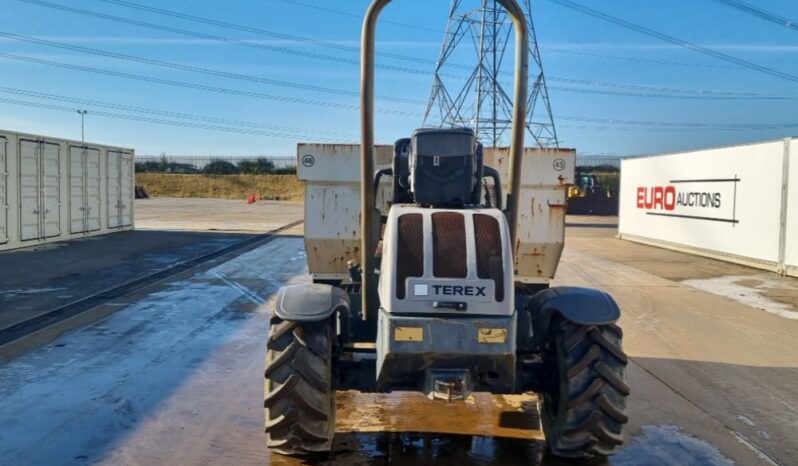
{"x":29,"y":202}
{"x":51,"y":188}
{"x":93,"y":188}
{"x":112,"y":183}
{"x":126,"y":189}
{"x":3,"y":191}
{"x":77,"y":193}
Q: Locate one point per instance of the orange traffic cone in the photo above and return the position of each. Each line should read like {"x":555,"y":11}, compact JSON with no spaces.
{"x":250,"y":199}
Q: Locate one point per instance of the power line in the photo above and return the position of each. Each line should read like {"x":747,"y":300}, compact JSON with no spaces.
{"x":158,"y":121}
{"x":303,"y":101}
{"x":202,"y":87}
{"x":326,"y":57}
{"x":293,"y":133}
{"x":260,"y":31}
{"x":358,"y":16}
{"x":356,"y":50}
{"x":676,"y":41}
{"x":171,"y":114}
{"x":639,"y":87}
{"x":195,"y":69}
{"x":674,"y":124}
{"x":702,"y":94}
{"x":218,"y":38}
{"x":760,"y":13}
{"x":667,"y":96}
{"x":635,"y":59}
{"x":343,"y":106}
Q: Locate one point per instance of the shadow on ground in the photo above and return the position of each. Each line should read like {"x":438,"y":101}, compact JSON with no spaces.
{"x":37,"y":279}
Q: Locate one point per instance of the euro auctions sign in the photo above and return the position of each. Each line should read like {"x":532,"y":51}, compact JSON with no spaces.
{"x":729,"y":202}
{"x":707,"y":199}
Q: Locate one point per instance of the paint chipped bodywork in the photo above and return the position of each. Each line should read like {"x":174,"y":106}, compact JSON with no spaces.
{"x":332,"y":213}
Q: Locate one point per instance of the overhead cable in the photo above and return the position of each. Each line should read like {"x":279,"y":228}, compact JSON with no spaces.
{"x":676,"y":41}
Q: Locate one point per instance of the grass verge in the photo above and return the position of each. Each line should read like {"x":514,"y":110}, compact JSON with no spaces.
{"x":280,"y":187}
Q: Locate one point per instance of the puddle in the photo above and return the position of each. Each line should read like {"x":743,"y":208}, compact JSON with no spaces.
{"x":667,"y":445}
{"x":777,"y":295}
{"x":656,"y":445}
{"x":9,"y":295}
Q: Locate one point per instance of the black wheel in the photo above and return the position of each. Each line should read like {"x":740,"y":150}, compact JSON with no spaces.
{"x":584,"y":414}
{"x":298,"y":393}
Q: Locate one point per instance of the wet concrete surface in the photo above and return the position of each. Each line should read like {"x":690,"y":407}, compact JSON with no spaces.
{"x":658,"y":445}
{"x":38,"y":279}
{"x":169,"y":231}
{"x":85,"y":396}
{"x":173,"y":375}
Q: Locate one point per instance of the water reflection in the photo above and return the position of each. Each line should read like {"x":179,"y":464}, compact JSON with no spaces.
{"x":656,"y":445}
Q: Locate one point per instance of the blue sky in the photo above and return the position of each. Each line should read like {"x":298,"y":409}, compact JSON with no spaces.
{"x":574,"y":46}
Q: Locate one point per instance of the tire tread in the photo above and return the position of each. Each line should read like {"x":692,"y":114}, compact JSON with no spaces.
{"x":299,"y":398}
{"x":589,"y":421}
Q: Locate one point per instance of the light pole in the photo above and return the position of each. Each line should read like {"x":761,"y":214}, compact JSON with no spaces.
{"x":84,"y":167}
{"x":82,"y":114}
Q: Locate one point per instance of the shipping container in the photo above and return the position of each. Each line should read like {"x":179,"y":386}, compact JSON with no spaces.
{"x":54,"y":189}
{"x":791,"y":211}
{"x":736,"y":203}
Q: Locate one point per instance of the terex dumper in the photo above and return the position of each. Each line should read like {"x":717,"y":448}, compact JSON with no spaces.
{"x":427,"y":277}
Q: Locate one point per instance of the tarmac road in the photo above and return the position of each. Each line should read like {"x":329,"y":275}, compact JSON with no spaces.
{"x":174,"y":376}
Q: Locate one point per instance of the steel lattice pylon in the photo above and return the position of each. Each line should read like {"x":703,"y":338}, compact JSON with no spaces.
{"x":482,"y":103}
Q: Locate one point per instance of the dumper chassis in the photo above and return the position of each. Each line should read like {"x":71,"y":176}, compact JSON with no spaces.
{"x":437,"y":298}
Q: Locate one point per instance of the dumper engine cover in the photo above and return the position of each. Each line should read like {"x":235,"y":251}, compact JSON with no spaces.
{"x":446,"y":261}
{"x":443,"y":166}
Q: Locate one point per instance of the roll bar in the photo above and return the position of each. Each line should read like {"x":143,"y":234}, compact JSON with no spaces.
{"x":368,"y":228}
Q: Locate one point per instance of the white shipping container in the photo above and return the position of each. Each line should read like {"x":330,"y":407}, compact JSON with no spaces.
{"x":3,"y":190}
{"x":728,"y":202}
{"x":791,"y":212}
{"x":54,"y":189}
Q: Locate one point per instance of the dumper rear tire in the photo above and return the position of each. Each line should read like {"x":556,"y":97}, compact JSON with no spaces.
{"x":299,"y":398}
{"x":583,"y":416}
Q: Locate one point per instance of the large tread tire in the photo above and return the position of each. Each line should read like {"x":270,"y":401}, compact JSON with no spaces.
{"x":299,"y":398}
{"x":583,"y":417}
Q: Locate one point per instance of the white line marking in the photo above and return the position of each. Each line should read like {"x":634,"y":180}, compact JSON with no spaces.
{"x":244,"y":290}
{"x":753,"y":447}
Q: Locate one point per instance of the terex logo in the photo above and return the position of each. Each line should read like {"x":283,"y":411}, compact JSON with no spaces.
{"x":455,"y":290}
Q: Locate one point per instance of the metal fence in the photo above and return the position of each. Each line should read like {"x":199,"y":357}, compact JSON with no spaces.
{"x":200,"y":161}
{"x":610,"y":161}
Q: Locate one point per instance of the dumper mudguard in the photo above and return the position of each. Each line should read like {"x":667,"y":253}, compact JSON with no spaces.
{"x":584,"y":306}
{"x":310,"y":302}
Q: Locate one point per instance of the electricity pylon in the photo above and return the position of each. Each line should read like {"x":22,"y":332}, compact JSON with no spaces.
{"x":482,"y":103}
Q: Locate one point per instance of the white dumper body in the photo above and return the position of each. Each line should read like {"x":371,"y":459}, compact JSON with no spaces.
{"x":332,"y":206}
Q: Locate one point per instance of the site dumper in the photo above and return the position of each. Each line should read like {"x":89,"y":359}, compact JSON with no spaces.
{"x":428,"y":277}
